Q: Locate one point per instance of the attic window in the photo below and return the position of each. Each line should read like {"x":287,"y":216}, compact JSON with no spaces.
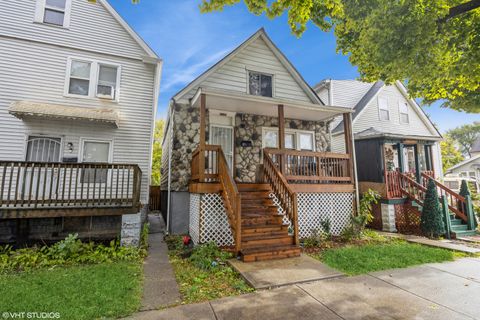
{"x":53,"y":12}
{"x":403,"y":108}
{"x":383,"y":109}
{"x":260,"y":84}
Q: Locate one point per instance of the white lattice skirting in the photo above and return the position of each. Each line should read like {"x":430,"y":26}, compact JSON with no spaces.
{"x":313,"y":208}
{"x":208,"y":220}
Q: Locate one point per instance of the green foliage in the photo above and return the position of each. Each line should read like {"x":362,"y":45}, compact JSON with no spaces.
{"x":70,"y":251}
{"x":432,"y":223}
{"x":208,"y":256}
{"x":465,"y":136}
{"x":450,"y":154}
{"x":464,"y":191}
{"x":101,"y":291}
{"x":355,"y":260}
{"x":204,"y":275}
{"x":364,"y":216}
{"x":144,"y":236}
{"x":157,"y":152}
{"x":389,"y":40}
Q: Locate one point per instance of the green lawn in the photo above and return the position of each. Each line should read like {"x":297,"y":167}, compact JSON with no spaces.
{"x":355,"y":260}
{"x":107,"y":290}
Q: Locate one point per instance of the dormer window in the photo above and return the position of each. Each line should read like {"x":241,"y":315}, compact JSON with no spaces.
{"x":53,"y":12}
{"x":383,"y":109}
{"x":260,"y":84}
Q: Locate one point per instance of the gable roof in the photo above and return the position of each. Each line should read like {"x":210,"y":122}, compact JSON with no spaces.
{"x":129,"y":30}
{"x":261,"y":33}
{"x":464,"y":162}
{"x":372,"y":93}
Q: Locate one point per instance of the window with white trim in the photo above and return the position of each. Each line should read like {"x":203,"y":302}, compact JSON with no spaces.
{"x":294,"y":139}
{"x":403,"y":109}
{"x":92,"y":79}
{"x":53,"y":12}
{"x":95,"y":151}
{"x":260,"y":84}
{"x":383,"y":109}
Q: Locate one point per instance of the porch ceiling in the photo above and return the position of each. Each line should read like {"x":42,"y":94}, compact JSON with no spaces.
{"x":243,"y":103}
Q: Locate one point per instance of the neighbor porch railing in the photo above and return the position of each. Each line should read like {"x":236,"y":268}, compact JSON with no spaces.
{"x":312,"y":167}
{"x":40,"y":185}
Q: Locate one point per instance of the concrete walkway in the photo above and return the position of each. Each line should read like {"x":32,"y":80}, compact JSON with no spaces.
{"x":276,"y":273}
{"x":160,"y":287}
{"x":433,"y":291}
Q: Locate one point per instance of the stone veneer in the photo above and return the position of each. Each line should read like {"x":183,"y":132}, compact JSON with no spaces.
{"x":248,"y":127}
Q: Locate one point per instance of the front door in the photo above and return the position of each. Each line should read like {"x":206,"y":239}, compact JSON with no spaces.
{"x":223,"y":136}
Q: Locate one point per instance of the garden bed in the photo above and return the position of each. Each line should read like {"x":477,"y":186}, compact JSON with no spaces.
{"x":202,"y":273}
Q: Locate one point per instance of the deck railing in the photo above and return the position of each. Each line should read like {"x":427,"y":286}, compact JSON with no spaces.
{"x":40,"y":185}
{"x":281,"y":189}
{"x":312,"y":167}
{"x":208,"y":163}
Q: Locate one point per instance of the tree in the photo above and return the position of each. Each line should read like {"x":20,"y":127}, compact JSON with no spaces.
{"x":464,"y":192}
{"x":430,"y":45}
{"x":157,"y":152}
{"x":450,"y":154}
{"x":465,"y":136}
{"x":431,"y":218}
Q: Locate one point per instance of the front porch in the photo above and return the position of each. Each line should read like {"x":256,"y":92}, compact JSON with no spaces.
{"x":292,"y":192}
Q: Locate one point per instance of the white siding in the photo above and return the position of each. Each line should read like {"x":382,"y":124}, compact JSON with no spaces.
{"x":338,"y":143}
{"x":369,"y":117}
{"x":259,"y":57}
{"x":36,"y":72}
{"x":347,"y":93}
{"x":323,"y":94}
{"x":92,"y":28}
{"x":437,"y":160}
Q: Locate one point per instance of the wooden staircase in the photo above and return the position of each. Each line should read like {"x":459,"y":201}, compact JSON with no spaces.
{"x":264,"y":235}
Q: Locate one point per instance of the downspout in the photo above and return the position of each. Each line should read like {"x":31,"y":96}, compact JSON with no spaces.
{"x":170,"y":129}
{"x":354,"y":159}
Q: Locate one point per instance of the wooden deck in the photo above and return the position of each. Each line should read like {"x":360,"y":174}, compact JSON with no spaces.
{"x":41,"y":190}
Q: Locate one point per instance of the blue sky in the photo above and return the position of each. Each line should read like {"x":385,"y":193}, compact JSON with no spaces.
{"x":189,"y":42}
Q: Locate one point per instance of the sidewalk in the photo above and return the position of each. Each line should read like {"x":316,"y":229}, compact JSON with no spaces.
{"x":160,"y":286}
{"x":433,"y":291}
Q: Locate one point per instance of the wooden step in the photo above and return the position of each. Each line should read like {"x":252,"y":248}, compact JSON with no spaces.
{"x":255,"y":195}
{"x":252,"y":229}
{"x":255,"y":241}
{"x":270,"y":252}
{"x":264,"y":220}
{"x":253,"y":187}
{"x":264,"y":210}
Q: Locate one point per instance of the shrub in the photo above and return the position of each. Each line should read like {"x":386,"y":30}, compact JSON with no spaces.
{"x":431,"y":218}
{"x":70,"y":251}
{"x":364,"y":216}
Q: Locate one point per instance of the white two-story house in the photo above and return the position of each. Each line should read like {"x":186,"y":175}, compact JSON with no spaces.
{"x":78,"y":94}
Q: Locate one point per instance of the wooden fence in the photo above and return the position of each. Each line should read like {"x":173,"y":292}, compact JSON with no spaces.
{"x":155,"y":198}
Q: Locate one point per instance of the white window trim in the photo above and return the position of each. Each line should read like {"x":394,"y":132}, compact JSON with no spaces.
{"x":94,"y":73}
{"x":260,"y":71}
{"x":296,"y":132}
{"x":401,"y":104}
{"x":385,"y":109}
{"x":40,"y":13}
{"x":110,"y":157}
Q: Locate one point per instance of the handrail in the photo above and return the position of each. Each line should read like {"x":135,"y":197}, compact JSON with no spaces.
{"x":411,"y":188}
{"x":456,"y":202}
{"x":312,"y":167}
{"x":231,"y":197}
{"x":282,"y":190}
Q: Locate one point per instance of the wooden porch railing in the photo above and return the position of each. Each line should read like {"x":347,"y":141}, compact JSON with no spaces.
{"x":312,"y":167}
{"x":216,"y":169}
{"x":279,"y":185}
{"x":39,"y":185}
{"x":456,"y":203}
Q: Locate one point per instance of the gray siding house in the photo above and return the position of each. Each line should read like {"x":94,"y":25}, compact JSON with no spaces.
{"x":78,"y":94}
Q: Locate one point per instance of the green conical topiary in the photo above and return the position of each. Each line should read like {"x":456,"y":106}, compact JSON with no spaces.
{"x":464,"y":191}
{"x":431,"y":220}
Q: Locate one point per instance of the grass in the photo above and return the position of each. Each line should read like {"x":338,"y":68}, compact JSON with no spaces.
{"x":199,"y":284}
{"x":107,"y":290}
{"x":360,"y":259}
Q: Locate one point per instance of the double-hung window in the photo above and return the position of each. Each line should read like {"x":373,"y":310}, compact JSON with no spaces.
{"x":260,"y":84}
{"x":383,"y":109}
{"x":92,"y":79}
{"x":403,"y":109}
{"x":294,"y":139}
{"x":53,"y":12}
